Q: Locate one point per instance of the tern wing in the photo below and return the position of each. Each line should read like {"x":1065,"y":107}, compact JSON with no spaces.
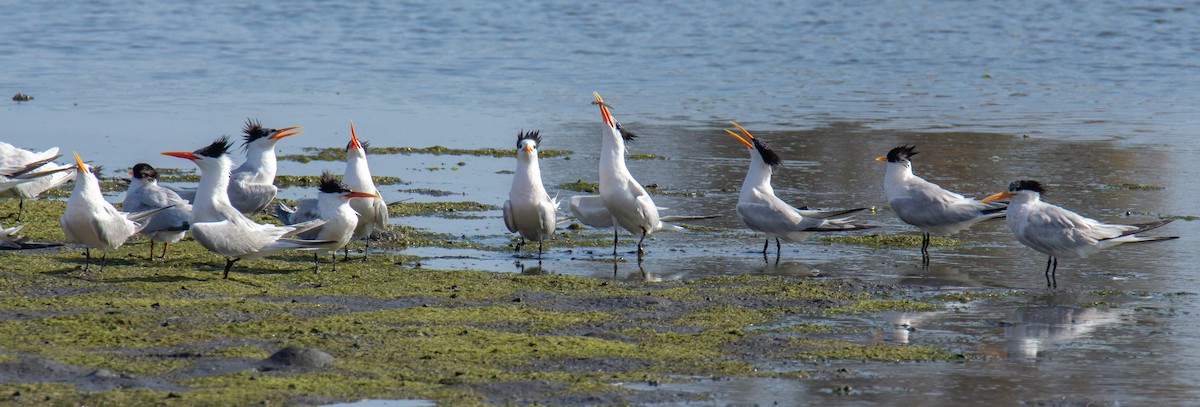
{"x":251,"y":198}
{"x":509,"y":221}
{"x":924,"y":204}
{"x":1062,"y":233}
{"x":547,"y":209}
{"x":590,"y":210}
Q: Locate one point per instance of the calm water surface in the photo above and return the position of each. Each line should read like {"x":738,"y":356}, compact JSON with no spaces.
{"x":1107,"y":92}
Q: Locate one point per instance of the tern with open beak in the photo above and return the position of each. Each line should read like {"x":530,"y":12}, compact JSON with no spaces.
{"x":926,"y":205}
{"x":372,"y":212}
{"x":1060,"y":233}
{"x":764,"y":212}
{"x":224,"y":230}
{"x":252,"y":184}
{"x":626,"y":200}
{"x":89,"y":218}
{"x":529,"y":209}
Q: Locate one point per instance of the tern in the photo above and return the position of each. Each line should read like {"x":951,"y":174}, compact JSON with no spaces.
{"x":10,"y":239}
{"x":251,"y":185}
{"x":224,"y":230}
{"x":143,"y":194}
{"x":373,"y":212}
{"x":89,"y":218}
{"x":529,"y":209}
{"x":764,"y":212}
{"x":30,"y":173}
{"x":926,"y":205}
{"x":333,"y":206}
{"x":1060,"y":233}
{"x":624,"y":198}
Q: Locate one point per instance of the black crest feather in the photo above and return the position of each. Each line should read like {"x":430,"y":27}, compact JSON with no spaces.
{"x":365,"y":144}
{"x":1027,"y":185}
{"x":329,"y":183}
{"x":254,"y":131}
{"x":534,"y":135}
{"x":902,"y":153}
{"x":219,"y":147}
{"x":625,"y":134}
{"x":769,"y":156}
{"x":143,"y":170}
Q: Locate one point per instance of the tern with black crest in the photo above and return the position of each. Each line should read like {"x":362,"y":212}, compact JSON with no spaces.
{"x":926,"y":205}
{"x":625,"y":199}
{"x":764,"y":212}
{"x":1060,"y":233}
{"x":332,"y":206}
{"x":224,"y":230}
{"x":252,"y":184}
{"x":529,"y":209}
{"x":372,"y":212}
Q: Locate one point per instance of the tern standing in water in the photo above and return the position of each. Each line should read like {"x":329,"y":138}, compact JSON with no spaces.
{"x":764,"y":212}
{"x":224,"y":230}
{"x":529,"y":209}
{"x":89,"y":219}
{"x":332,"y":205}
{"x":1060,"y":233}
{"x":926,"y":205}
{"x":144,"y":194}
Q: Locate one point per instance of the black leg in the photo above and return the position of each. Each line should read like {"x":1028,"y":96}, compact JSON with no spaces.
{"x":1054,"y":273}
{"x":333,"y":260}
{"x":766,"y":244}
{"x":615,"y":239}
{"x":1049,"y":260}
{"x":777,"y":249}
{"x":520,"y":243}
{"x":316,"y":263}
{"x":20,"y":209}
{"x":366,"y":247}
{"x":347,"y":251}
{"x":539,"y":250}
{"x":641,"y":252}
{"x":103,"y":261}
{"x":87,"y":259}
{"x":228,"y":265}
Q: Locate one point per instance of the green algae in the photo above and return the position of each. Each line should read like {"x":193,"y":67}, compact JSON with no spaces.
{"x":876,"y":305}
{"x":580,"y":186}
{"x":339,"y":154}
{"x":395,"y":331}
{"x":1132,"y":186}
{"x":288,"y":181}
{"x":889,"y":240}
{"x":431,"y":208}
{"x":644,"y":156}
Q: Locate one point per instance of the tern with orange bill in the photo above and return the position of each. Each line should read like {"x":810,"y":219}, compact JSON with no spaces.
{"x":224,"y":230}
{"x":764,"y":212}
{"x":90,"y":220}
{"x":529,"y":209}
{"x":332,"y":206}
{"x":252,"y":184}
{"x":926,"y":205}
{"x":1060,"y":233}
{"x":625,"y":199}
{"x":372,"y":212}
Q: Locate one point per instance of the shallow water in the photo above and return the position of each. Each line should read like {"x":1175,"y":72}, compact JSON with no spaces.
{"x":1106,"y":91}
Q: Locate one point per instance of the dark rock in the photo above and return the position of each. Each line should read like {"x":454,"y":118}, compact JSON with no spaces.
{"x":295,"y":356}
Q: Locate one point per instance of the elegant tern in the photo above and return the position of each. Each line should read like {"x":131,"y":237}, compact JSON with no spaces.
{"x":332,"y":206}
{"x":11,"y":239}
{"x":926,"y":205}
{"x":529,"y":209}
{"x":224,"y":230}
{"x":624,"y":198}
{"x":252,"y":184}
{"x":143,"y":194}
{"x":764,"y":212}
{"x":89,"y":218}
{"x":372,"y":212}
{"x":1060,"y":233}
{"x":34,"y":173}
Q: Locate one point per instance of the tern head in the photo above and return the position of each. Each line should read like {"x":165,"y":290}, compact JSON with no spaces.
{"x":208,"y":154}
{"x":1026,"y":188}
{"x":609,"y":120}
{"x":355,"y":143}
{"x":255,"y":132}
{"x":144,"y":172}
{"x":329,"y":184}
{"x":528,"y":141}
{"x":757,"y":146}
{"x":85,"y":171}
{"x":899,"y":155}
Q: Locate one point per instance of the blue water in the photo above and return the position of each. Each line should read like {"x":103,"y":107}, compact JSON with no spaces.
{"x":1108,"y":91}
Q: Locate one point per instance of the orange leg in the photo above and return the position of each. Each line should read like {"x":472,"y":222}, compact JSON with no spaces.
{"x":151,"y":250}
{"x":164,"y":251}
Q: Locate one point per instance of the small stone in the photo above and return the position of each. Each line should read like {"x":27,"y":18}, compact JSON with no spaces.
{"x":296,"y":356}
{"x":21,"y":97}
